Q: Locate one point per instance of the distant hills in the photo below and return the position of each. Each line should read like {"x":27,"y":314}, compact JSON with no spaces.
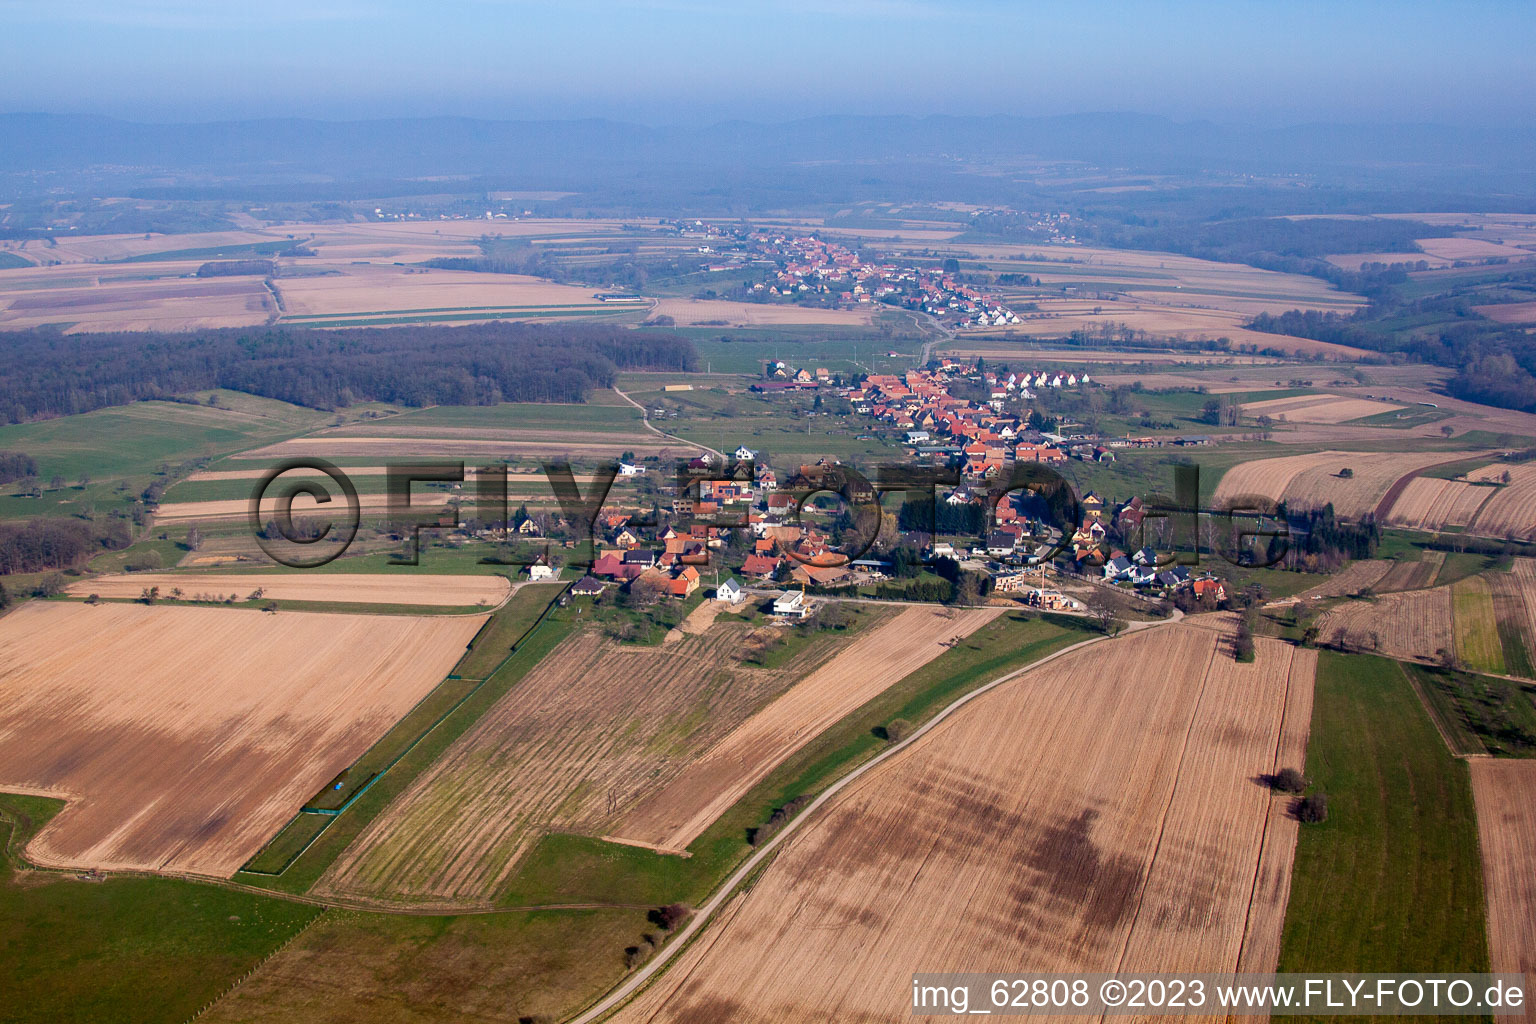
{"x":587,"y":153}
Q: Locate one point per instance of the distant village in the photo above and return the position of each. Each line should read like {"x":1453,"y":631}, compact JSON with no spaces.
{"x":803,"y":268}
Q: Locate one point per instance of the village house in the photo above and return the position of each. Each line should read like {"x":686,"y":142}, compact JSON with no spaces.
{"x":791,"y":605}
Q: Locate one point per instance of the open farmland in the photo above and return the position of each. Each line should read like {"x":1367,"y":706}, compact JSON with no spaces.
{"x":303,"y":505}
{"x":1317,"y":408}
{"x":704,"y":312}
{"x":609,"y":446}
{"x":1510,"y":312}
{"x":1390,"y":881}
{"x":1157,"y":852}
{"x":1413,"y":624}
{"x":1506,"y":819}
{"x":354,"y":274}
{"x":1413,"y":574}
{"x":1511,"y":510}
{"x":592,"y":727}
{"x":673,"y":817}
{"x":1313,"y":480}
{"x":1359,"y":575}
{"x":355,"y":588}
{"x":1430,"y":503}
{"x":1476,"y":628}
{"x":184,"y":737}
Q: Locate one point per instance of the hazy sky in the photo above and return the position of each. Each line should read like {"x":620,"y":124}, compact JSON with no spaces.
{"x":680,"y":61}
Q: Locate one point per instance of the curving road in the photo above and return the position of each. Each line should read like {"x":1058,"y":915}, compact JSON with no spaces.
{"x":645,"y":420}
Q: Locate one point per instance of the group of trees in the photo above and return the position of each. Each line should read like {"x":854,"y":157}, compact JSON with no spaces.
{"x":48,"y":373}
{"x":42,"y":544}
{"x":1495,"y":363}
{"x":16,"y":466}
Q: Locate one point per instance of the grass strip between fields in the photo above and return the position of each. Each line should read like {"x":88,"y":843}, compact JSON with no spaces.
{"x":1392,"y":880}
{"x":388,"y":767}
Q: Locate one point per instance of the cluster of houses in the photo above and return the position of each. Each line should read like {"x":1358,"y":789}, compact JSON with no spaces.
{"x":940,"y":424}
{"x":810,"y":265}
{"x":780,"y":550}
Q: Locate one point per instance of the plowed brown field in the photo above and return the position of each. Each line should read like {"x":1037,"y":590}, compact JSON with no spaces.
{"x":1505,"y":792}
{"x":1156,"y":851}
{"x":1413,"y":624}
{"x":184,"y":738}
{"x":1351,"y":579}
{"x":673,"y":817}
{"x":1429,"y":503}
{"x":1317,"y":408}
{"x":1313,"y":480}
{"x":1511,"y":511}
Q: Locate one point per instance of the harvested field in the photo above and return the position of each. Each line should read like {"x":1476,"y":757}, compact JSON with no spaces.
{"x":1429,"y":503}
{"x":590,"y":730}
{"x":1024,"y":348}
{"x":1355,"y":577}
{"x":673,"y":817}
{"x":303,"y":505}
{"x":394,"y":290}
{"x":1412,"y":575}
{"x":1510,"y":312}
{"x":1506,"y":820}
{"x":185,"y":737}
{"x":1416,"y":625}
{"x":1471,"y":249}
{"x":355,"y":588}
{"x":1158,"y":851}
{"x":1313,"y":480}
{"x":333,"y":447}
{"x":1511,"y":510}
{"x":1317,"y":408}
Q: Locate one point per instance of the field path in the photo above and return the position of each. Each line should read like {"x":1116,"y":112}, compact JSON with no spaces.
{"x":645,"y":421}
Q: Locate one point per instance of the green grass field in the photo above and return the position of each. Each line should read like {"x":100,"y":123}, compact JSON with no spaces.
{"x":1477,"y":634}
{"x":364,"y":968}
{"x":1392,"y":881}
{"x":1483,"y":714}
{"x":123,"y":449}
{"x":126,"y":949}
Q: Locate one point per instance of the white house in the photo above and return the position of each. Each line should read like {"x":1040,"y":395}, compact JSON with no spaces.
{"x":625,"y":469}
{"x":540,"y":572}
{"x":745,"y":453}
{"x":1115,"y":568}
{"x":730,"y":592}
{"x":791,"y":605}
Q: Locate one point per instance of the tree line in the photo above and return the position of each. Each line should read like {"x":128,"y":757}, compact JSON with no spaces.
{"x":51,"y":374}
{"x":41,"y":544}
